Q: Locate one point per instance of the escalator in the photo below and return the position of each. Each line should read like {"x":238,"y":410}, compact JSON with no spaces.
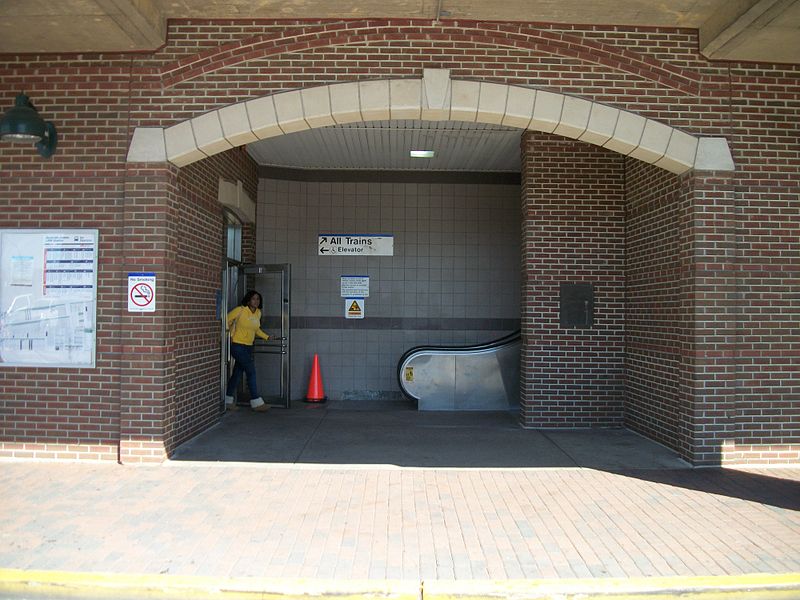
{"x":479,"y":377}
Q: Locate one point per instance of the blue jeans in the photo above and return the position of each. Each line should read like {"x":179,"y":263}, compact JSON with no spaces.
{"x":244,"y":363}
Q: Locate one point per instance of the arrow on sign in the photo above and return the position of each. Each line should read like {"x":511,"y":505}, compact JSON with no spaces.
{"x":323,"y":240}
{"x":324,"y":250}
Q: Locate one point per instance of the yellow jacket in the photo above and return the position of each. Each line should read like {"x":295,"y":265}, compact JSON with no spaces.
{"x":246,"y":325}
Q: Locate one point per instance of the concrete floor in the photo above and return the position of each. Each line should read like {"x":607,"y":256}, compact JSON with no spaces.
{"x":383,"y":433}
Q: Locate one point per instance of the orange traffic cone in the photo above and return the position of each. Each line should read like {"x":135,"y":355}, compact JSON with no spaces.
{"x":315,"y":392}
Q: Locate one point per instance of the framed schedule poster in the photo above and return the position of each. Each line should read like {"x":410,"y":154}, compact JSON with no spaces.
{"x":48,"y":297}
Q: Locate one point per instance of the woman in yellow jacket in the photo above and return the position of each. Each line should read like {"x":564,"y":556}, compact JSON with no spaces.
{"x":244,"y":322}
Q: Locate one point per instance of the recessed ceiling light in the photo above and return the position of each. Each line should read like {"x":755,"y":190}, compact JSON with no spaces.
{"x":421,"y":153}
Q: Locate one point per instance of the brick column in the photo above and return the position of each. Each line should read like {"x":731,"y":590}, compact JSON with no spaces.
{"x":147,"y":377}
{"x":573,"y":231}
{"x":709,"y":301}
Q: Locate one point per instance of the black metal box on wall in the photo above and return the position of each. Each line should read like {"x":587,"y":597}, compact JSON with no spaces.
{"x":577,"y":305}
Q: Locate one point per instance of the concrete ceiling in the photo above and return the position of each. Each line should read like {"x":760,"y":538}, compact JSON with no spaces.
{"x":741,"y":30}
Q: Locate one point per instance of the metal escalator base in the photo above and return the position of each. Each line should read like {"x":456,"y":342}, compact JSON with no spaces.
{"x":480,"y":377}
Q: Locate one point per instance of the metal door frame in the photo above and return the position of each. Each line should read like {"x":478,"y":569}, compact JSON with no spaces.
{"x":276,"y":345}
{"x":224,"y":309}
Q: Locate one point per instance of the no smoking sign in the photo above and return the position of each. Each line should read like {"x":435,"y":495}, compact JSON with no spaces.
{"x":141,"y":292}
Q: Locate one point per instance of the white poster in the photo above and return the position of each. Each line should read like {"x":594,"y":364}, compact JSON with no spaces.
{"x":354,"y":286}
{"x":48,"y":292}
{"x":22,"y":271}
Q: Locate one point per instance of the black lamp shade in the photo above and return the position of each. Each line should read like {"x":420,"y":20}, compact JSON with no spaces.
{"x":22,"y":123}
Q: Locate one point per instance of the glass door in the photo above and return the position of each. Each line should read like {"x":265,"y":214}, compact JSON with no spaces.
{"x":272,"y":357}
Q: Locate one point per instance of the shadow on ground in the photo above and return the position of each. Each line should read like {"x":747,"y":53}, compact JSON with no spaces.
{"x":779,"y":492}
{"x":397,"y":435}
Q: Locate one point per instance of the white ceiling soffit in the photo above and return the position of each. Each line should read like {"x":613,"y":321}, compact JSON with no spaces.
{"x":385,"y":145}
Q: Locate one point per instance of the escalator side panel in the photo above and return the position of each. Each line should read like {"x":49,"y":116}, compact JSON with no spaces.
{"x":433,"y":381}
{"x":489,"y":381}
{"x":510,"y":361}
{"x":481,"y":377}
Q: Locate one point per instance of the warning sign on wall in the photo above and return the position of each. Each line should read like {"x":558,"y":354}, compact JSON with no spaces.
{"x":141,"y":292}
{"x":354,"y":308}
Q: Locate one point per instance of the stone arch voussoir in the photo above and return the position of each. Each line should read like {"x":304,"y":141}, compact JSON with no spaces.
{"x":435,"y":97}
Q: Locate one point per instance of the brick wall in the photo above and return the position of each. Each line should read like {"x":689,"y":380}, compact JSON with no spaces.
{"x":200,"y":236}
{"x":69,"y":413}
{"x":152,"y":385}
{"x":96,"y":100}
{"x":573,"y":231}
{"x":766,"y":187}
{"x":708,"y":222}
{"x":231,"y":63}
{"x":148,"y":358}
{"x":655,"y":322}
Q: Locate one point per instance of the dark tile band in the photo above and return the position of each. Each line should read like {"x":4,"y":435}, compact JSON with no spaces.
{"x":397,"y":324}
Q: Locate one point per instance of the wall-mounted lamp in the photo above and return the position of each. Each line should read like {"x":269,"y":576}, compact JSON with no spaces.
{"x":23,"y":124}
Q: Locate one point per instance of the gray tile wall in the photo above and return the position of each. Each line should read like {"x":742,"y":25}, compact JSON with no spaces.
{"x":454,"y":277}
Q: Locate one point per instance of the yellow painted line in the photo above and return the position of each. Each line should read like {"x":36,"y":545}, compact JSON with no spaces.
{"x":784,"y":586}
{"x":61,"y":584}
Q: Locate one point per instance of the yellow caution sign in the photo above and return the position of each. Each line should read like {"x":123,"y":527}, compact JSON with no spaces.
{"x":354,"y":308}
{"x":409,"y":374}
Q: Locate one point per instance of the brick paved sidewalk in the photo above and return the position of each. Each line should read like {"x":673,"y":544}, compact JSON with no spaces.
{"x":409,"y":524}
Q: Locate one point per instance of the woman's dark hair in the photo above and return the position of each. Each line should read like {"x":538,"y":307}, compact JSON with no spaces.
{"x":250,"y":294}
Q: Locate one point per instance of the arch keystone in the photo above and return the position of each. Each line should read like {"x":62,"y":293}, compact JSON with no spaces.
{"x":436,"y":88}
